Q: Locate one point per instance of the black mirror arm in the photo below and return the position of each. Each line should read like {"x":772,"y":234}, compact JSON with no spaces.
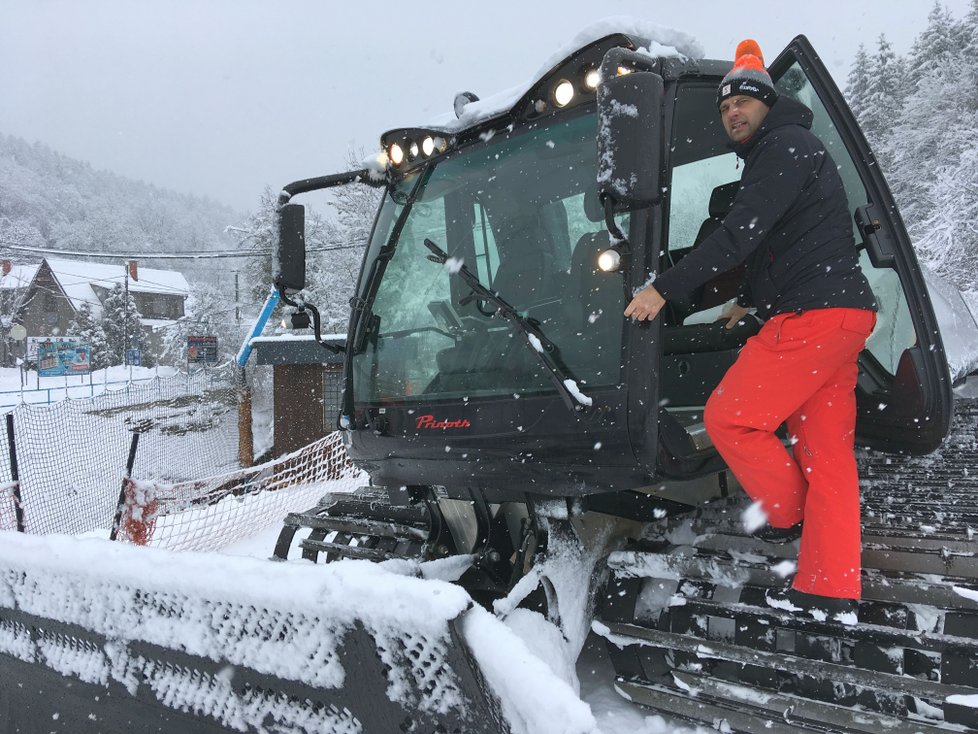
{"x":619,"y":240}
{"x":362,"y":176}
{"x":316,"y":322}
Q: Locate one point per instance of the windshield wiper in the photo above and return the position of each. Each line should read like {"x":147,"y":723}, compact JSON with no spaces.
{"x":576,"y":401}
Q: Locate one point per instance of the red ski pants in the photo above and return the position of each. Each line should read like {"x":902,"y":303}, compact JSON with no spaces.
{"x":800,"y":369}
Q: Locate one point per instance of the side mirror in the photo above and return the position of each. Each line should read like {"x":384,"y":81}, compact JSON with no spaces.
{"x":289,"y":267}
{"x":629,"y":129}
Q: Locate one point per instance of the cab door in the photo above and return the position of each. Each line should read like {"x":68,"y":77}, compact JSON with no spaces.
{"x":904,"y":390}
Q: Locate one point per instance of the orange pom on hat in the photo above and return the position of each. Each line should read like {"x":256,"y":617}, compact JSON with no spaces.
{"x":748,"y":76}
{"x":749,"y":47}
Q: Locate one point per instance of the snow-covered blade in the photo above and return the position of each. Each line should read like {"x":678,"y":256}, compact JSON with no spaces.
{"x":115,"y":634}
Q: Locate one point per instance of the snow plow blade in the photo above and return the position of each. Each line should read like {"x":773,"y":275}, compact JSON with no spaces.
{"x":103,"y":638}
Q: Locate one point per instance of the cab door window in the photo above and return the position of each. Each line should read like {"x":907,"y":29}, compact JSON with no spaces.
{"x":894,"y":331}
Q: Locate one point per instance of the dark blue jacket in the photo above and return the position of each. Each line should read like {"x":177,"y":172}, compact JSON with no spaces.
{"x":790,"y":221}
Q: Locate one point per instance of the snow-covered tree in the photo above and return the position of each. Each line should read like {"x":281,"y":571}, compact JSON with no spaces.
{"x":121,"y":325}
{"x":932,"y":146}
{"x":20,"y":231}
{"x":936,"y":46}
{"x":85,"y":326}
{"x":334,"y":249}
{"x":858,"y":84}
{"x":333,"y":270}
{"x":885,"y":92}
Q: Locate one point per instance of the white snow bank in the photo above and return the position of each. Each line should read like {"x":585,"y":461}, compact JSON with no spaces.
{"x":342,"y":592}
{"x":286,"y":619}
{"x":534,"y":700}
{"x":660,"y":40}
{"x":961,"y":700}
{"x":959,"y":332}
{"x":966,"y":593}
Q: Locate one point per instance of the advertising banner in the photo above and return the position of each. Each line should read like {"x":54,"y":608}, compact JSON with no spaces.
{"x":202,"y":349}
{"x":56,"y":358}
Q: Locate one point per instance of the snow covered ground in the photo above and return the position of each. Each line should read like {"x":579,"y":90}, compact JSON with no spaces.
{"x":17,"y":386}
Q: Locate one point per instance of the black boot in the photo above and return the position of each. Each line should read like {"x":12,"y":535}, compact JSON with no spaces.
{"x":819,"y":608}
{"x":771,"y":534}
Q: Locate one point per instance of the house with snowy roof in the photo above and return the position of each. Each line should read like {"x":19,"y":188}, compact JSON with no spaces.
{"x":44,"y":297}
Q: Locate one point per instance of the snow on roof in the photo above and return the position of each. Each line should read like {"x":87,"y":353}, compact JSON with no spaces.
{"x":658,"y":40}
{"x":77,"y":278}
{"x":20,"y":276}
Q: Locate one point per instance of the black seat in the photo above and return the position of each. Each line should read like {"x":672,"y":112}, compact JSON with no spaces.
{"x":527,"y":271}
{"x":592,"y":293}
{"x":724,"y":286}
{"x":721,"y":201}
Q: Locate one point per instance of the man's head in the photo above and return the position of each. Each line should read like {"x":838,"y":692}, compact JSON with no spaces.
{"x":747,"y":79}
{"x":741,"y":116}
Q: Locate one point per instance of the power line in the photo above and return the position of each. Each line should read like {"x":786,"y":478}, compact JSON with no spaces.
{"x":167,"y":256}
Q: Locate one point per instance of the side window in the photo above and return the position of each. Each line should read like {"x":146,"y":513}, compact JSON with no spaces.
{"x":705,"y":179}
{"x":894,"y":328}
{"x":413,"y":287}
{"x":691,"y":190}
{"x":486,"y":255}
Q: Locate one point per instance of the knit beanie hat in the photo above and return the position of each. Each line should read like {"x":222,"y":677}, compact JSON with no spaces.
{"x":748,"y":76}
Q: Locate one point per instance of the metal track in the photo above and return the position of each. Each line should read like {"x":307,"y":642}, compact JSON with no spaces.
{"x":690,"y":633}
{"x":363,"y":525}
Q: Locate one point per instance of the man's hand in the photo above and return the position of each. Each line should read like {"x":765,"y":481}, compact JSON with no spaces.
{"x":733,"y":313}
{"x":645,"y":305}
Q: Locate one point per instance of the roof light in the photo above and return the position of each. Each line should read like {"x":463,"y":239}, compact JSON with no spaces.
{"x":396,"y":154}
{"x":413,"y":150}
{"x":563,"y":93}
{"x":592,"y":78}
{"x":428,"y":145}
{"x":622,"y":70}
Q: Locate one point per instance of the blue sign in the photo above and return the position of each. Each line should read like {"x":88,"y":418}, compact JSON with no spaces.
{"x":133,"y":357}
{"x":56,"y":358}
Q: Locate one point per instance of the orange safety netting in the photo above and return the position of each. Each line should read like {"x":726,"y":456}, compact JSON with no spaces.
{"x":139,"y":512}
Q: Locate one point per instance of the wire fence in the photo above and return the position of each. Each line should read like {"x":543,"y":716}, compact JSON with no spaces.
{"x":64,"y":469}
{"x":212,"y":513}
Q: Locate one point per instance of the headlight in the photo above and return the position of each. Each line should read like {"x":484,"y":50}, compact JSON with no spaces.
{"x":396,"y":154}
{"x":428,"y":146}
{"x":609,"y":261}
{"x":592,"y":78}
{"x":563,"y":93}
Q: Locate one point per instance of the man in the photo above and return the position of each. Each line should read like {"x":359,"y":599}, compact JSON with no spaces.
{"x":790,"y":221}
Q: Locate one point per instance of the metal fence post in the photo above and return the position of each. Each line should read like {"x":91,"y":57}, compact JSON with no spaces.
{"x":130,"y":462}
{"x":15,"y":474}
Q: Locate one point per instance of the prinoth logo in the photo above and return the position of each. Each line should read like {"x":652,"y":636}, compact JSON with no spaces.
{"x":429,"y":422}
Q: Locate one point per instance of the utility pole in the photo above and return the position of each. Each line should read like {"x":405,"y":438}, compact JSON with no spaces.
{"x":237,"y":302}
{"x":125,"y":316}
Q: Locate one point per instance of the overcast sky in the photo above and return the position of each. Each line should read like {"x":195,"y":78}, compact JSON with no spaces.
{"x":225,"y":97}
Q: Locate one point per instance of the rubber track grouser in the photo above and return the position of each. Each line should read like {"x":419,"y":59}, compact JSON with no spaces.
{"x":690,"y":633}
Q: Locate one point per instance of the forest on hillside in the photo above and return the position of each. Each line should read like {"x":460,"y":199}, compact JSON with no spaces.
{"x":920,"y":115}
{"x":48,"y":200}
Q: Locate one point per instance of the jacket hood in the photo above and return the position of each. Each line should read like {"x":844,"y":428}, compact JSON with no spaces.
{"x":785,"y":111}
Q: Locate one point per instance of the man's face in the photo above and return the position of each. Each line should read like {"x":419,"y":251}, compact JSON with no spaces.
{"x":741,"y":116}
